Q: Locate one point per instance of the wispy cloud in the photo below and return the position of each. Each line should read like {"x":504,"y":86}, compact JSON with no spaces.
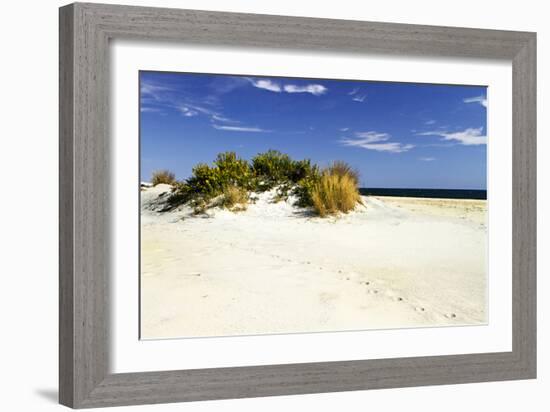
{"x":153,"y":95}
{"x":468,"y":137}
{"x":344,"y":129}
{"x":197,"y":108}
{"x":477,"y":99}
{"x":239,"y":128}
{"x":277,"y":87}
{"x":314,"y":89}
{"x":377,"y":141}
{"x":429,"y":122}
{"x":160,"y":98}
{"x":187,"y":112}
{"x":266,"y":84}
{"x":372,"y":137}
{"x":427,"y":159}
{"x":153,"y":90}
{"x":150,"y":110}
{"x":223,"y":119}
{"x":357,"y":97}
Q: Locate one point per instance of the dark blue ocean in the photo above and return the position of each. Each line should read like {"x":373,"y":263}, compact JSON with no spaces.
{"x":431,"y":193}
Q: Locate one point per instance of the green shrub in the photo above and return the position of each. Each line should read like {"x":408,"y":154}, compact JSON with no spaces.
{"x":233,"y":171}
{"x":335,"y":192}
{"x":163,"y":176}
{"x":301,"y":169}
{"x":305,"y":185}
{"x":228,"y":170}
{"x":272,"y":168}
{"x":205,"y":181}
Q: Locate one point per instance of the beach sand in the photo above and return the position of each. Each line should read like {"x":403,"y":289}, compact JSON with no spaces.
{"x":391,"y":263}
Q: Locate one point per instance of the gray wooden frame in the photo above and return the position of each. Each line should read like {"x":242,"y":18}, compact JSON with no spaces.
{"x":85,"y":31}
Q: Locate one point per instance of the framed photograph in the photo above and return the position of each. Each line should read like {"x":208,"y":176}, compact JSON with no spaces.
{"x":256,"y":205}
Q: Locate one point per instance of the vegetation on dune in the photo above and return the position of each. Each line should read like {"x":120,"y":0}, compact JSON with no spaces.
{"x":229,"y":181}
{"x":234,"y":198}
{"x":340,"y":168}
{"x":274,"y":168}
{"x":163,"y":176}
{"x":336,"y":191}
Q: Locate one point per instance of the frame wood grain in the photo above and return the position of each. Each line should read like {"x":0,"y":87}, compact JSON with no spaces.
{"x":85,"y":31}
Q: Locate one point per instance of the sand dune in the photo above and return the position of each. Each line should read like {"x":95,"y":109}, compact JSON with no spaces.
{"x":393,"y":262}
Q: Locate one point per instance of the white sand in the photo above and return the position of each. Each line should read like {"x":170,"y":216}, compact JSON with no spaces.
{"x":394,"y":262}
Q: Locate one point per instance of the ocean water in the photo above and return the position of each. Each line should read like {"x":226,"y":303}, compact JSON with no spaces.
{"x":431,"y":193}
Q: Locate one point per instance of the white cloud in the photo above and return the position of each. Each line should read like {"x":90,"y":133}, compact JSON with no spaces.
{"x":266,"y":84}
{"x":196,"y":108}
{"x":239,"y":128}
{"x":314,"y":89}
{"x":372,"y":137}
{"x":344,"y":129}
{"x":187,"y":112}
{"x":427,"y":159}
{"x":478,"y":99}
{"x":149,"y":110}
{"x":357,"y":97}
{"x":429,"y":122}
{"x":276,"y":87}
{"x":375,"y":141}
{"x":153,"y":90}
{"x":468,"y":137}
{"x":223,"y":119}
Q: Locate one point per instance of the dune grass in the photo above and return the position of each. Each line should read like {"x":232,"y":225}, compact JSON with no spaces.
{"x":341,"y":168}
{"x":163,"y":176}
{"x":234,"y":198}
{"x":336,"y":191}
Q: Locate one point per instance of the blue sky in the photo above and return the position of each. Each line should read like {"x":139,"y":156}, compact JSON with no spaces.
{"x":398,"y":135}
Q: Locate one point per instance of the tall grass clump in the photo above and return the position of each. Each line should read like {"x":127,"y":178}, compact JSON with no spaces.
{"x":163,"y":176}
{"x":234,"y":198}
{"x":336,"y":190}
{"x":340,"y":168}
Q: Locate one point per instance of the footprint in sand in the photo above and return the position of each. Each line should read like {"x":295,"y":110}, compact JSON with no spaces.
{"x":420,"y":309}
{"x":450,"y":315}
{"x":372,"y":291}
